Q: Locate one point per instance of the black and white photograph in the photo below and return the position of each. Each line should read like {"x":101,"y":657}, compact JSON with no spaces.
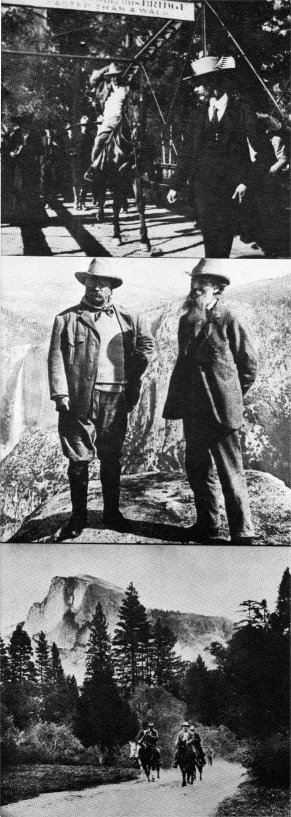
{"x":129,"y":135}
{"x":145,"y":408}
{"x":143,"y":679}
{"x":113,"y":436}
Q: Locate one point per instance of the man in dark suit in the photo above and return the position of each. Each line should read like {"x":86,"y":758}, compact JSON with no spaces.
{"x":216,"y":366}
{"x":215,"y":157}
{"x":97,"y":356}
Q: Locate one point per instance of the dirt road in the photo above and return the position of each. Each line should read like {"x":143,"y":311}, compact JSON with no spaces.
{"x":161,"y":798}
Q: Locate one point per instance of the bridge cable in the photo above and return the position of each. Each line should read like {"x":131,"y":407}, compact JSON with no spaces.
{"x":208,"y":4}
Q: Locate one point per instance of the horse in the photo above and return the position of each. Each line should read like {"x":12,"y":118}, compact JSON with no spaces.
{"x":148,"y":757}
{"x":199,"y":763}
{"x":123,"y":160}
{"x":187,"y":760}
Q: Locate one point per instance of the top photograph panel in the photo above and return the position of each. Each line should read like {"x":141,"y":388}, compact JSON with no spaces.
{"x":154,"y":128}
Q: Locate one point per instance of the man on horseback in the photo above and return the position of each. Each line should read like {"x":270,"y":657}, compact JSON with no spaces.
{"x":151,"y":739}
{"x":112,"y":113}
{"x":140,"y":740}
{"x":121,"y":153}
{"x":194,"y":740}
{"x":181,"y":742}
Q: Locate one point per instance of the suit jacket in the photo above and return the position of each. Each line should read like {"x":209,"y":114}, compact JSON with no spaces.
{"x":227,"y":366}
{"x":238,"y":124}
{"x":73,"y":356}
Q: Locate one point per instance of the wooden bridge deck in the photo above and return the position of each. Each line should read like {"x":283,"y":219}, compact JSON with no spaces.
{"x":64,"y":231}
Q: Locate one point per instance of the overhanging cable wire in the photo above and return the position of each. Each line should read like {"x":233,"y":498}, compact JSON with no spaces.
{"x":208,"y":4}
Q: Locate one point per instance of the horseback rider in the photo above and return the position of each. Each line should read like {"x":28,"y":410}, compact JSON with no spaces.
{"x":140,"y":739}
{"x":181,"y":741}
{"x":112,"y":112}
{"x":190,"y":740}
{"x":197,"y":745}
{"x":151,"y":739}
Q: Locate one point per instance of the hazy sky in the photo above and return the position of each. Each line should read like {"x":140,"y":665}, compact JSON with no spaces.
{"x":38,"y":288}
{"x":206,"y":580}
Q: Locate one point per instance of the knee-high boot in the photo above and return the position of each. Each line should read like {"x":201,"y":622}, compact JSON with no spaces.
{"x":78,"y":479}
{"x":110,"y":481}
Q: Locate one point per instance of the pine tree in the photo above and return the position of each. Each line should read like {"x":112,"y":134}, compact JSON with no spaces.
{"x":131,"y":640}
{"x":4,"y":664}
{"x":20,"y":650}
{"x":256,"y":612}
{"x":164,"y":658}
{"x":58,"y":677}
{"x":103,"y":718}
{"x":99,"y":662}
{"x":73,"y":692}
{"x":43,"y":660}
{"x":195,"y":690}
{"x":280,"y":619}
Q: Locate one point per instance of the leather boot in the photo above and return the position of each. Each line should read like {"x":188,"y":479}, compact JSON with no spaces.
{"x":110,"y":481}
{"x":78,"y":478}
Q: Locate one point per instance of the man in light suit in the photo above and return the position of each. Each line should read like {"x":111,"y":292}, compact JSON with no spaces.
{"x":215,"y":157}
{"x":215,"y":368}
{"x":97,"y":356}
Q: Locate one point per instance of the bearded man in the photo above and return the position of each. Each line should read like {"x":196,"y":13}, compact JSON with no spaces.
{"x":97,"y":356}
{"x":215,"y":368}
{"x":215,"y":156}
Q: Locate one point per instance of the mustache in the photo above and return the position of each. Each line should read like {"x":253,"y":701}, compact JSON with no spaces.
{"x":193,"y":300}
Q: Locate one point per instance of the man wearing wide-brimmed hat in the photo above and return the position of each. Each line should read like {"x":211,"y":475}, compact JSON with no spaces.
{"x":215,"y":159}
{"x":97,"y":356}
{"x":181,"y":741}
{"x":112,"y":112}
{"x":215,"y":368}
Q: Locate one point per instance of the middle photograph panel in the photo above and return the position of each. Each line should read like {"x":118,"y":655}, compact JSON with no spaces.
{"x":145,"y":405}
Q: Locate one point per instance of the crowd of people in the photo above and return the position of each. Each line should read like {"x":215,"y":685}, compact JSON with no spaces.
{"x":39,"y":164}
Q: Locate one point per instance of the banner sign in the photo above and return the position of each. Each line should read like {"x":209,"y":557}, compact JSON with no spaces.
{"x":167,"y":9}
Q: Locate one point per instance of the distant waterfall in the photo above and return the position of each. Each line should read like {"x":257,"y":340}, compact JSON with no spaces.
{"x":25,"y":404}
{"x":17,"y":419}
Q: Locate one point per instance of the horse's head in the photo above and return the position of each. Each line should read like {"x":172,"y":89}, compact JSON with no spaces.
{"x":132,"y":749}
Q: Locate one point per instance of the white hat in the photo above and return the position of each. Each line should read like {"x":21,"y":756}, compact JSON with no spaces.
{"x":211,"y":65}
{"x":112,"y":70}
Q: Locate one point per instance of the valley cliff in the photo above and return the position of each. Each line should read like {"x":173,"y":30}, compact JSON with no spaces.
{"x":66,"y":612}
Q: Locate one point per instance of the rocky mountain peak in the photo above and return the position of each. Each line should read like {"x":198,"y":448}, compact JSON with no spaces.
{"x":66,"y":612}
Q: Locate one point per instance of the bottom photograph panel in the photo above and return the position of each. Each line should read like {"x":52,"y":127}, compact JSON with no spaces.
{"x":144,"y":679}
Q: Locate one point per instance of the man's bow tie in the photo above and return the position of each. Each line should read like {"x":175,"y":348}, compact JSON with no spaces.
{"x":108,"y":311}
